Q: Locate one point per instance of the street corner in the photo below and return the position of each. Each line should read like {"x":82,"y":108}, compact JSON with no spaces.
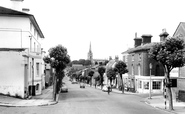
{"x":29,"y":103}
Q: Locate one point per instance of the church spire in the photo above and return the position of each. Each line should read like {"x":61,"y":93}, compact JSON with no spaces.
{"x":90,"y":54}
{"x":90,"y":48}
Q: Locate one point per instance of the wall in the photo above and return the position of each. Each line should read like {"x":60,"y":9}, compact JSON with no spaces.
{"x":12,"y":73}
{"x":19,"y":30}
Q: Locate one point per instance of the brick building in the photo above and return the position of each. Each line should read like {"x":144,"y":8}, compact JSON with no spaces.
{"x":141,"y":77}
{"x":180,"y":91}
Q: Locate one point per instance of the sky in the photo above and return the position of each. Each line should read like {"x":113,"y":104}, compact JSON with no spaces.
{"x":110,"y":25}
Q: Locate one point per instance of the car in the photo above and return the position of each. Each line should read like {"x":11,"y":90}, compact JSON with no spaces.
{"x":74,"y":82}
{"x":82,"y":85}
{"x":64,"y":88}
{"x":105,"y":88}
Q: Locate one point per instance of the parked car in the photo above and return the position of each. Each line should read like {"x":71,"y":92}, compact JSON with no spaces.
{"x":105,"y":88}
{"x":82,"y":85}
{"x":64,"y":88}
{"x":74,"y":82}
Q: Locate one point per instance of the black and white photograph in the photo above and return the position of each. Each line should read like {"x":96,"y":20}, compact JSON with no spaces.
{"x":92,"y":57}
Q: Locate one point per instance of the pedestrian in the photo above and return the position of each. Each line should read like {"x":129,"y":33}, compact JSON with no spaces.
{"x":109,"y":89}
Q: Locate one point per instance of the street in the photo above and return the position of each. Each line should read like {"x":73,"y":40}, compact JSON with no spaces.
{"x":89,"y":100}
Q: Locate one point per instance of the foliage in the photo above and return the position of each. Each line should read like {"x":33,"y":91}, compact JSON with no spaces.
{"x":87,"y":62}
{"x":58,"y":59}
{"x":106,"y":61}
{"x":111,"y":74}
{"x":91,"y":73}
{"x":171,"y":55}
{"x":121,"y":68}
{"x":81,"y":61}
{"x":61,"y":58}
{"x":47,"y":60}
{"x":101,"y":71}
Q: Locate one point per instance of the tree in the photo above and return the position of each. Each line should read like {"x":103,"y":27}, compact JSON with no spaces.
{"x":91,"y":73}
{"x":121,"y":68}
{"x":58,"y":58}
{"x":101,"y":71}
{"x":82,"y":61}
{"x":170,"y":55}
{"x":106,"y":61}
{"x":111,"y":74}
{"x":87,"y":62}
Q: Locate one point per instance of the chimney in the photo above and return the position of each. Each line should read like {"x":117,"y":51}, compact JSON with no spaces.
{"x":137,"y":40}
{"x":16,"y":4}
{"x":163,"y":35}
{"x":146,"y":38}
{"x":116,"y":58}
{"x":110,"y":58}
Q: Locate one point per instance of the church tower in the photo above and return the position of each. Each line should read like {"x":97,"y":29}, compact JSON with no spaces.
{"x":90,"y":54}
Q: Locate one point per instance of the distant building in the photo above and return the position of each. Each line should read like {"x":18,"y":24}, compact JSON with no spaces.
{"x":78,"y":66}
{"x":90,"y":54}
{"x":90,"y":57}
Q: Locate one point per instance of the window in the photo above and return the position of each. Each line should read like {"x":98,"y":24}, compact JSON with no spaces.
{"x":31,"y":26}
{"x":156,"y":84}
{"x":37,"y":66}
{"x":146,"y":85}
{"x":37,"y":87}
{"x":132,"y":69}
{"x":139,"y":57}
{"x":37,"y":48}
{"x":126,"y":58}
{"x":35,"y":33}
{"x":140,"y":84}
{"x":139,"y":69}
{"x":34,"y":47}
{"x":132,"y":57}
{"x":30,"y":44}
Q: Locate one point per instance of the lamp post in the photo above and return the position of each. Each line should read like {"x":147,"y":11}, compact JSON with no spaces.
{"x":150,"y":65}
{"x":54,"y":80}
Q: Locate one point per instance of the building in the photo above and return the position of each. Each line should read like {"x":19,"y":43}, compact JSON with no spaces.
{"x":144,"y":73}
{"x":20,"y":39}
{"x":90,"y":54}
{"x":90,"y":57}
{"x":111,"y":65}
{"x":180,"y":72}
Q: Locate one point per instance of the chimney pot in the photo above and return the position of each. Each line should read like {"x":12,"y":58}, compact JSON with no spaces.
{"x":163,"y":35}
{"x":146,"y":38}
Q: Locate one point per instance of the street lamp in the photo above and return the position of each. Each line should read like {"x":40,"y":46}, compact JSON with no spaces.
{"x":150,"y":66}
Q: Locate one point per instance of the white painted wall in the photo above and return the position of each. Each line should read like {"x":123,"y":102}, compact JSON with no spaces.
{"x":12,"y":73}
{"x":16,"y":32}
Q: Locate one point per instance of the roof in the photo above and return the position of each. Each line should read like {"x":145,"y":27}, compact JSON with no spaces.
{"x":10,"y":12}
{"x":140,"y":48}
{"x":164,"y":34}
{"x":180,"y":30}
{"x":111,"y":64}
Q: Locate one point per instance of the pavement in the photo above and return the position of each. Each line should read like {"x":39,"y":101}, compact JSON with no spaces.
{"x":45,"y":99}
{"x":159,"y":103}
